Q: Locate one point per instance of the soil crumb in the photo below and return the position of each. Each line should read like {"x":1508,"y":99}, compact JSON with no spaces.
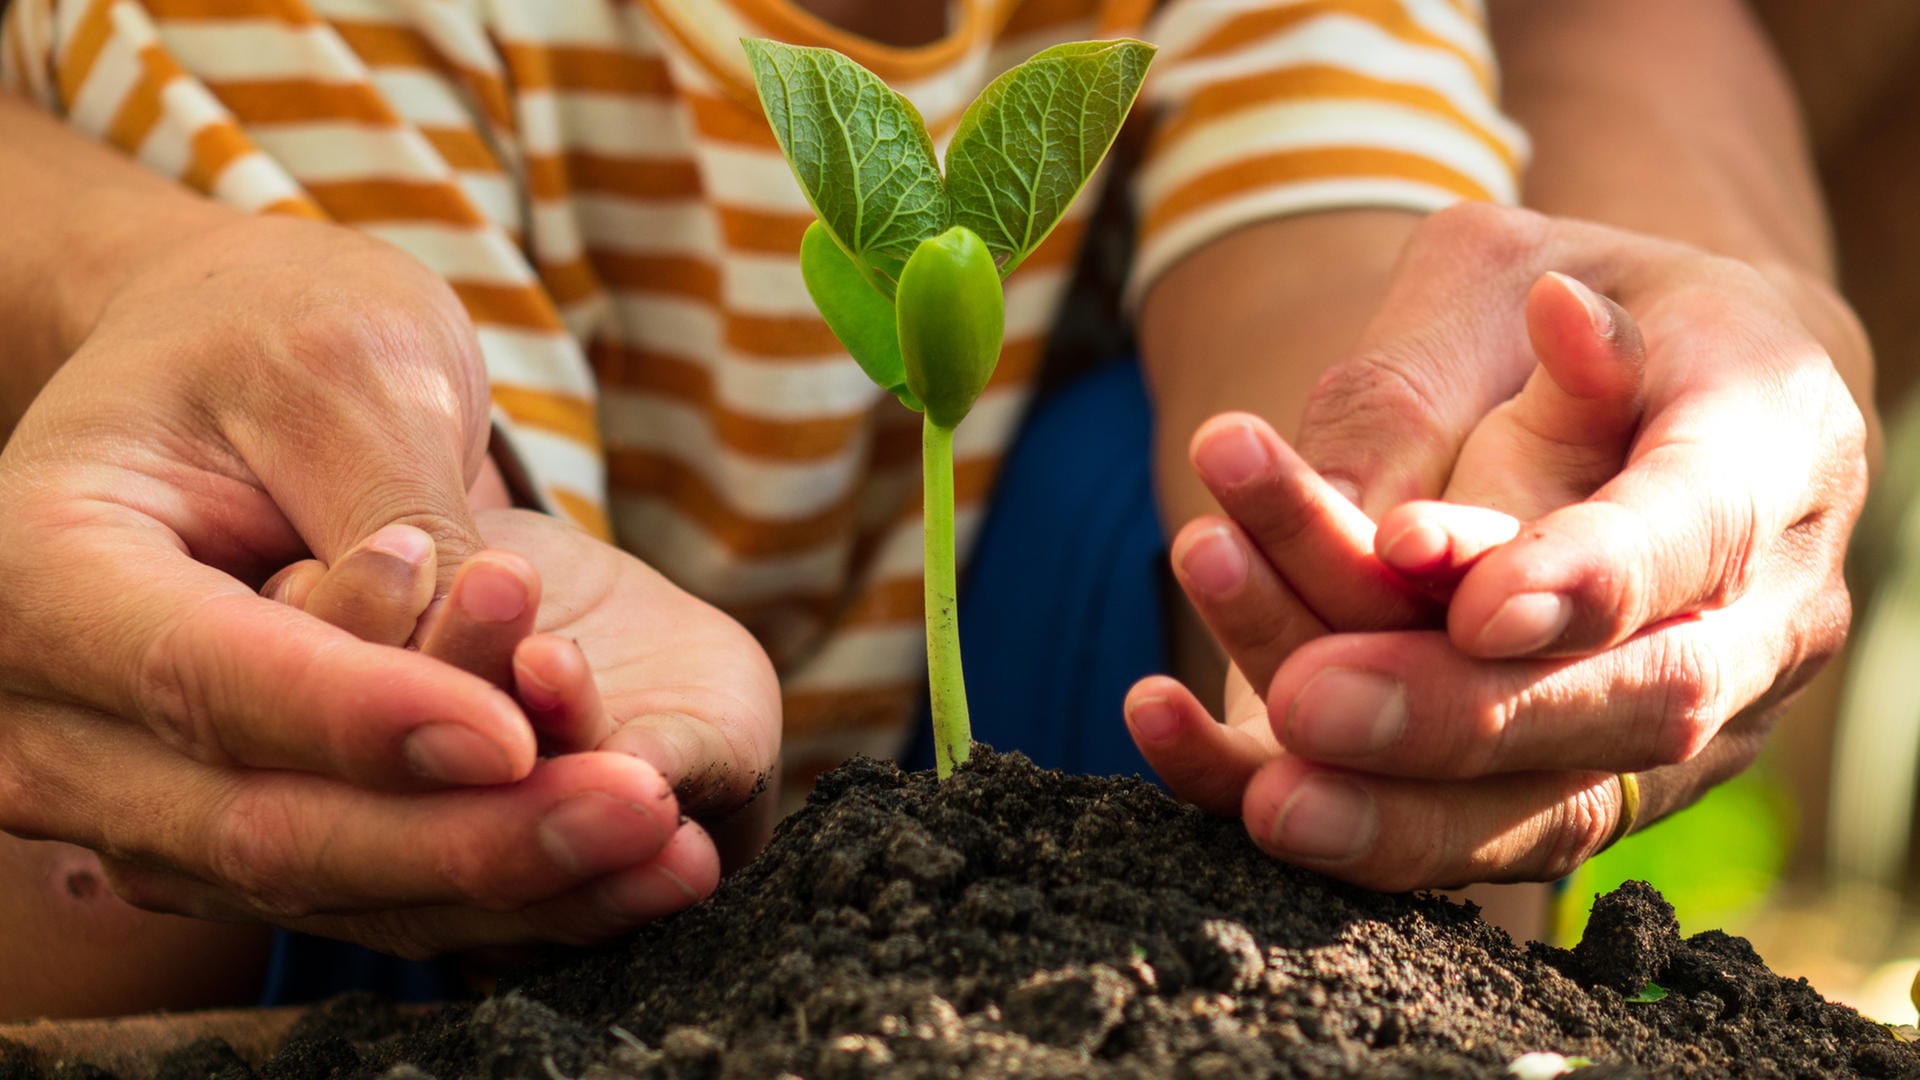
{"x":1019,"y":923}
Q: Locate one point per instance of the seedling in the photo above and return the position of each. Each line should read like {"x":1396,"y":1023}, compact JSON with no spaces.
{"x":1647,"y":995}
{"x":1543,"y":1065}
{"x":905,"y":261}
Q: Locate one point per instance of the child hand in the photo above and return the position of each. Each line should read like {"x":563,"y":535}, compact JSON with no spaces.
{"x":603,"y":655}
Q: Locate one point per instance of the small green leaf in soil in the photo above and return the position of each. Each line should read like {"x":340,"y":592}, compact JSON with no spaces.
{"x":1647,"y":994}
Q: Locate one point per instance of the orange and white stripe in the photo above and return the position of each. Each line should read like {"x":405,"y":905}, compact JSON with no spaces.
{"x":595,"y":181}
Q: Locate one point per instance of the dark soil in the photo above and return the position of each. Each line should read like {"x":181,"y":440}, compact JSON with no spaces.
{"x":1018,"y":923}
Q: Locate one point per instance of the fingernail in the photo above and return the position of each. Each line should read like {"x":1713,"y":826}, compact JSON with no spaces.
{"x":535,"y":693}
{"x":686,"y":890}
{"x":650,"y":893}
{"x":403,"y":542}
{"x":1348,"y":490}
{"x":1232,"y":456}
{"x":1214,"y":563}
{"x":1154,"y":719}
{"x":1524,"y":624}
{"x":492,"y":594}
{"x":593,"y":833}
{"x":456,"y":754}
{"x":1326,"y":819}
{"x":1419,"y":545}
{"x":1343,"y":712}
{"x":1599,"y":316}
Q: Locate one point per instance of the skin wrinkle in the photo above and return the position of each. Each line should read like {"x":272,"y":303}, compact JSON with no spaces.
{"x":247,"y":852}
{"x":1337,"y":392}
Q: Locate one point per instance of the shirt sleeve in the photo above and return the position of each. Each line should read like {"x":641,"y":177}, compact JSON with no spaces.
{"x":1266,"y":108}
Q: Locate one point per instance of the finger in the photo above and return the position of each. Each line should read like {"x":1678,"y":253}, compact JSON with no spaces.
{"x":1250,"y":611}
{"x":1318,"y":542}
{"x":136,"y":628}
{"x":289,"y":844}
{"x":685,"y":871}
{"x":1201,"y":761}
{"x":555,"y":685}
{"x":1397,"y":834}
{"x":1388,"y":423}
{"x":1684,"y":528}
{"x":1751,"y":443}
{"x":1589,"y":388}
{"x":490,"y":609}
{"x":293,"y":584}
{"x":1409,"y":704}
{"x":379,"y":590}
{"x":1434,"y":544}
{"x":388,"y":409}
{"x":711,"y":774}
{"x":1568,"y":429}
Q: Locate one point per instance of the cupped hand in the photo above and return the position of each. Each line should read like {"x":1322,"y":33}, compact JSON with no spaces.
{"x":1673,"y":474}
{"x":265,"y":392}
{"x":615,"y":666}
{"x":601,"y":651}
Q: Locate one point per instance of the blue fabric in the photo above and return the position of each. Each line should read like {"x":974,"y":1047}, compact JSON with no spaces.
{"x":1063,"y":603}
{"x":304,"y":969}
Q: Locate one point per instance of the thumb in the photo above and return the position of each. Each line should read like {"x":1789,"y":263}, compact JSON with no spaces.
{"x":340,"y":520}
{"x":1382,"y":429}
{"x":1386,"y":425}
{"x":1561,"y":437}
{"x":1568,"y":430}
{"x":382,"y":457}
{"x":1587,"y":392}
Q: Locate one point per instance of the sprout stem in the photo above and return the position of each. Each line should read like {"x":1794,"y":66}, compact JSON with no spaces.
{"x":952,"y":730}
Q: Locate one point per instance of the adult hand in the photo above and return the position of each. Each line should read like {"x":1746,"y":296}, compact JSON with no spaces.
{"x":264,"y":391}
{"x":1657,"y":626}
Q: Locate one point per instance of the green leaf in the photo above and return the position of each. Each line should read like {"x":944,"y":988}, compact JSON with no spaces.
{"x":860,"y":151}
{"x":1028,"y":143}
{"x":855,"y":311}
{"x":1647,"y":994}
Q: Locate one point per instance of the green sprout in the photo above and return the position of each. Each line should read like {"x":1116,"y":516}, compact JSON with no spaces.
{"x":1545,"y":1065}
{"x":1647,"y":995}
{"x":906,"y":260}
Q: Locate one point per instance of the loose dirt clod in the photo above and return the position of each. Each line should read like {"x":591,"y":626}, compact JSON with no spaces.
{"x":1017,"y":923}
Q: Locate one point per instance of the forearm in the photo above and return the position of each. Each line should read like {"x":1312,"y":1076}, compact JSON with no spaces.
{"x":78,"y":218}
{"x":1675,"y":120}
{"x":1668,"y":119}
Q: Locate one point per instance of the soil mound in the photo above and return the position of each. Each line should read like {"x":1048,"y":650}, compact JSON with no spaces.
{"x":1019,"y":923}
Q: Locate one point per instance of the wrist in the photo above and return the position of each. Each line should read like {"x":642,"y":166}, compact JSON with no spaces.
{"x":82,"y":219}
{"x":132,"y":237}
{"x":79,"y":217}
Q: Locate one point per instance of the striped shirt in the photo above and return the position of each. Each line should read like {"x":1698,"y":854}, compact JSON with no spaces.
{"x":596,"y":181}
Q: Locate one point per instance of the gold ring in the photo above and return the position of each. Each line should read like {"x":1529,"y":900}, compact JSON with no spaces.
{"x":1629,"y":808}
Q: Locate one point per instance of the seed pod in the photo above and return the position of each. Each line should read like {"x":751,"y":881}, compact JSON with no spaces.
{"x":952,"y":314}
